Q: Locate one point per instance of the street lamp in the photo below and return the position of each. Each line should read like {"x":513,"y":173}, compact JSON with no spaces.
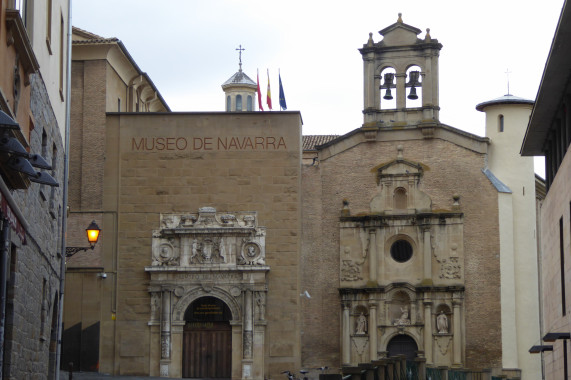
{"x":92,"y":232}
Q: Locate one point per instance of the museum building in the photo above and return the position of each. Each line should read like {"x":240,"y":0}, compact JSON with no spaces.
{"x":234,"y":247}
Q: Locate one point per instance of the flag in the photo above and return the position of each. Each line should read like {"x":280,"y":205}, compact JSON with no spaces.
{"x":269,"y":97}
{"x":283,"y":104}
{"x":259,"y":92}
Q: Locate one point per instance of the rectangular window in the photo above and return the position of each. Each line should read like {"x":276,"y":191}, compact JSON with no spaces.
{"x":49,"y":25}
{"x":61,"y":57}
{"x":561,"y":254}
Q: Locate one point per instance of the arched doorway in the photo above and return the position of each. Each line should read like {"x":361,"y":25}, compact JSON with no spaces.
{"x":402,"y":345}
{"x":207,"y":342}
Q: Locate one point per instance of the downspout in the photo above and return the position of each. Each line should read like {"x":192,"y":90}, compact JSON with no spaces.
{"x":65,"y":190}
{"x":4,"y":249}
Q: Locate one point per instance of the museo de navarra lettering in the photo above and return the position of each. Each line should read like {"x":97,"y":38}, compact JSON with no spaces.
{"x":248,"y":143}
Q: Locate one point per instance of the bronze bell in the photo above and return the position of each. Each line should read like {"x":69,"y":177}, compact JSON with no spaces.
{"x":413,"y":75}
{"x":389,"y":77}
{"x":388,"y":95}
{"x":412,"y":94}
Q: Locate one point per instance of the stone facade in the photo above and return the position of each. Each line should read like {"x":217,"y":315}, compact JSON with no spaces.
{"x":362,"y":244}
{"x":31,"y":213}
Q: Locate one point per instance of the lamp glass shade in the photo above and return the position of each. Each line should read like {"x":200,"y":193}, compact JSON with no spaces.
{"x":93,"y":233}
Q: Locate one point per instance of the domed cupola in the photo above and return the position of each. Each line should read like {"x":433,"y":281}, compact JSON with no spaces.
{"x":240,"y":91}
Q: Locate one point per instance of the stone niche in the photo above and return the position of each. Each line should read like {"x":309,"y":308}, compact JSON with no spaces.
{"x":208,"y":254}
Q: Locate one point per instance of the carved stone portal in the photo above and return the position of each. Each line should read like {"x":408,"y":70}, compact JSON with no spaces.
{"x":209,"y":254}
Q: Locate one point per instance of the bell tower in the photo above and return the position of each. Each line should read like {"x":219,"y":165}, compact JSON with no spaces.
{"x":401,"y":77}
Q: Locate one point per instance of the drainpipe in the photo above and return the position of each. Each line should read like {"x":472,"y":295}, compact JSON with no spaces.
{"x":3,"y":275}
{"x":65,"y":190}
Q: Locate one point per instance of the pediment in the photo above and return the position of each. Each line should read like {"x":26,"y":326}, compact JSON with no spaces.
{"x":399,"y":34}
{"x":399,"y":167}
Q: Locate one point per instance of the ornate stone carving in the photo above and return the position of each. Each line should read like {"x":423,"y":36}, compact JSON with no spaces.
{"x":404,"y":318}
{"x":443,"y":343}
{"x":251,"y":254}
{"x":360,"y":344}
{"x":166,"y":254}
{"x":248,"y":344}
{"x":164,"y":370}
{"x":165,"y":347}
{"x":450,"y":268}
{"x":260,"y":305}
{"x":350,"y":271}
{"x":155,"y":306}
{"x":207,"y":251}
{"x":209,"y":238}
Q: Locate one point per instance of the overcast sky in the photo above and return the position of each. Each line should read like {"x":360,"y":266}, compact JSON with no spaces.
{"x":188,"y":48}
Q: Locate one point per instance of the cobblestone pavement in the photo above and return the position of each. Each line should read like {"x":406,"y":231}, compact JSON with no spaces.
{"x":64,"y":375}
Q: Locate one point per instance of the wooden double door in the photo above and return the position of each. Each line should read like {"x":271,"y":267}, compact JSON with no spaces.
{"x":207,"y":350}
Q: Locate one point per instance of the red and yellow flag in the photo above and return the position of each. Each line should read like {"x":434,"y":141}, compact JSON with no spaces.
{"x":269,"y":96}
{"x":259,"y":92}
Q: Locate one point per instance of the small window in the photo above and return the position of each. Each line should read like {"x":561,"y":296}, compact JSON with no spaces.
{"x":228,"y":103}
{"x":401,"y":251}
{"x":249,"y":104}
{"x":501,"y":123}
{"x":238,"y":102}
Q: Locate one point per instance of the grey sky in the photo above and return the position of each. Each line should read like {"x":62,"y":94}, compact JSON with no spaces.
{"x":188,"y":50}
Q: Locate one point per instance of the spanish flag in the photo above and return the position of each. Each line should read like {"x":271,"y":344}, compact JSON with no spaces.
{"x":259,"y":92}
{"x":269,"y":96}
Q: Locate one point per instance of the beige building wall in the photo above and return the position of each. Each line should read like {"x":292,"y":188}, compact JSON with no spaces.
{"x":556,"y":318}
{"x":226,"y":161}
{"x":520,"y":291}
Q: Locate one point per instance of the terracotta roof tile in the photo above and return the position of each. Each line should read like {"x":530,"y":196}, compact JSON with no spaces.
{"x":311,"y":141}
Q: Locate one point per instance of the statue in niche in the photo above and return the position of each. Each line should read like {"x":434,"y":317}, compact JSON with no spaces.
{"x":404,"y":317}
{"x":261,"y":304}
{"x":361,"y":327}
{"x":442,"y":323}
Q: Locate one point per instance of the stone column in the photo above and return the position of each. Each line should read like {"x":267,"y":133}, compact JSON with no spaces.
{"x":372,"y":330}
{"x":428,"y":329}
{"x":185,"y":251}
{"x":457,"y":333}
{"x":373,"y":262}
{"x":346,"y":334}
{"x":427,"y":255}
{"x":165,"y":333}
{"x":248,"y":335}
{"x":401,"y":91}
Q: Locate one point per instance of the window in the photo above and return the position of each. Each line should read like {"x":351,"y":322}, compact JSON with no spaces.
{"x":501,"y":123}
{"x":238,"y":102}
{"x":401,"y":251}
{"x":118,"y":104}
{"x":61,"y":57}
{"x":228,"y":103}
{"x":49,"y":25}
{"x":249,"y":105}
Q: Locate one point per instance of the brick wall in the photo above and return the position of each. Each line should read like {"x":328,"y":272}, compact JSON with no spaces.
{"x":349,"y":174}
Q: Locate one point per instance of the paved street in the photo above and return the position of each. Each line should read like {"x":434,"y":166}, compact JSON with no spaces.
{"x":64,"y":375}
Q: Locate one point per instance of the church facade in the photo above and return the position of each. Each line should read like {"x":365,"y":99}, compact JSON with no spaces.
{"x":234,"y":247}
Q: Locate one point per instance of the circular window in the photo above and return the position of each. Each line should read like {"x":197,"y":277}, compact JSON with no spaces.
{"x":401,"y":251}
